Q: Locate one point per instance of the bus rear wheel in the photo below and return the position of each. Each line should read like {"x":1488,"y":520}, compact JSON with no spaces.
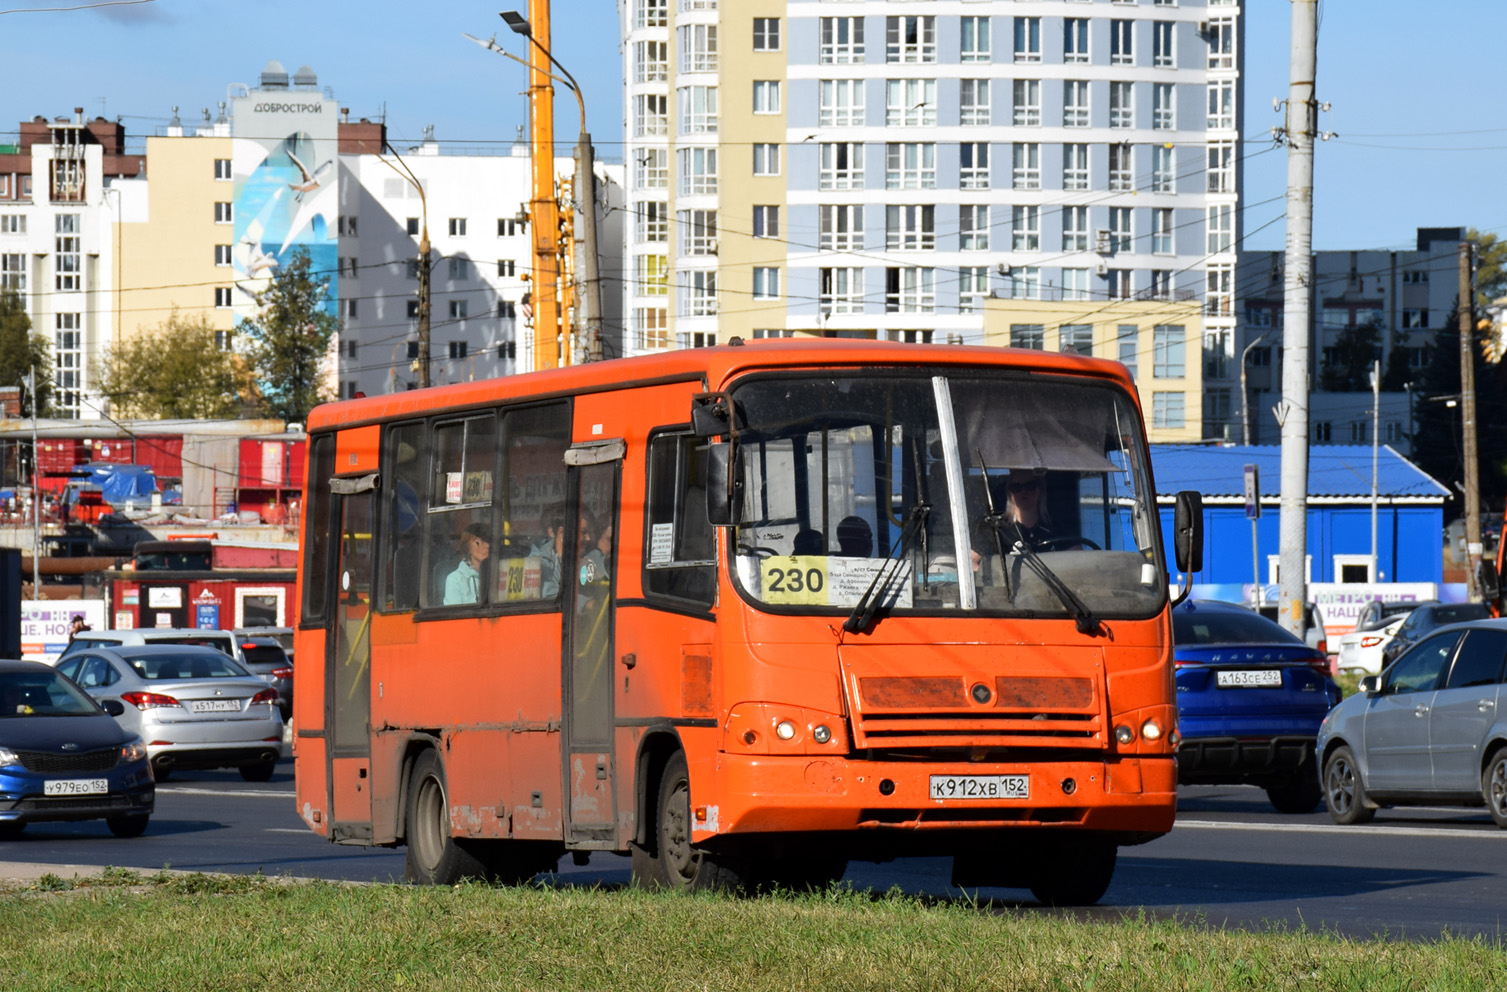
{"x":676,"y":863}
{"x":434,"y":856}
{"x":1075,"y":873}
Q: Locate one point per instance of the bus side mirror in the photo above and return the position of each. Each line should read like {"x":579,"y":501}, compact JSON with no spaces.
{"x":721,"y":489}
{"x":1188,"y":533}
{"x":1489,"y":581}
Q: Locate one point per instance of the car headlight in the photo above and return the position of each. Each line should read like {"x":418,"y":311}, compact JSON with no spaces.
{"x":8,"y":757}
{"x":133,"y":751}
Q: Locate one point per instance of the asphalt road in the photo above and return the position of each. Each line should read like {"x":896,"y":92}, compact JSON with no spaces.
{"x":1232,"y":861}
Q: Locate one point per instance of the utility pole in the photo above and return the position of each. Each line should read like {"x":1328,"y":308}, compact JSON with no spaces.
{"x":1301,"y":131}
{"x":1375,"y":463}
{"x":36,"y":492}
{"x":544,"y":210}
{"x":586,"y":214}
{"x":1468,"y":420}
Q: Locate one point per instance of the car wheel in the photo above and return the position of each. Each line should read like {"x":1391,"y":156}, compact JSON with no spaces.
{"x":161,"y":773}
{"x":1494,"y":787}
{"x":679,"y":864}
{"x":127,"y":826}
{"x":259,"y":772}
{"x":10,"y":830}
{"x":1078,"y":874}
{"x":1300,"y":793}
{"x":1344,"y":792}
{"x":434,"y":856}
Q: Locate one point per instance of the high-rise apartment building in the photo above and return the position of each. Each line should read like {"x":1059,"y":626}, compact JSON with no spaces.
{"x":878,"y":168}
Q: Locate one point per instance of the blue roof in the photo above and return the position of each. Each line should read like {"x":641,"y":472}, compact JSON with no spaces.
{"x":1334,"y":470}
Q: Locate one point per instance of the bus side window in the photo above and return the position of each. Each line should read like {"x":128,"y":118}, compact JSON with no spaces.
{"x":532,"y":503}
{"x":403,"y":560}
{"x":317,"y":529}
{"x":680,"y":544}
{"x":459,"y":508}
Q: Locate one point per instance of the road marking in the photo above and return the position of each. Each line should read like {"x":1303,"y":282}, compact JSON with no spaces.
{"x":179,"y":790}
{"x":1380,"y":830}
{"x":289,"y":830}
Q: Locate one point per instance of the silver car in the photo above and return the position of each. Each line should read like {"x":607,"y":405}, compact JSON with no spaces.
{"x":194,"y":707}
{"x":1429,"y":730}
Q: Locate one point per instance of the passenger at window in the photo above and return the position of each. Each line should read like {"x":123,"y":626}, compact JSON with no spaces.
{"x":464,"y":584}
{"x":548,"y":550}
{"x":854,"y":539}
{"x":808,"y":541}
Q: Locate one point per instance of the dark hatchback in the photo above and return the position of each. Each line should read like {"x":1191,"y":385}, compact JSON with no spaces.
{"x":1425,"y":619}
{"x":63,"y":757}
{"x":265,"y":658}
{"x":1250,"y":699}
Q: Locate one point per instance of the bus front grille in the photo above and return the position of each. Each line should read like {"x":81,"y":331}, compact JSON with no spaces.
{"x":1003,"y":712}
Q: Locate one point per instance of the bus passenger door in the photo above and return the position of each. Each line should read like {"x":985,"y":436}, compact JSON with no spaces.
{"x":589,"y":785}
{"x":348,"y":664}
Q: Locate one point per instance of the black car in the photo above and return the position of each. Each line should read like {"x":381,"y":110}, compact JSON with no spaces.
{"x":63,"y":756}
{"x":1425,"y":618}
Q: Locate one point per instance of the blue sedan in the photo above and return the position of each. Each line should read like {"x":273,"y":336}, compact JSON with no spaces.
{"x":63,"y":756}
{"x":1250,"y":698}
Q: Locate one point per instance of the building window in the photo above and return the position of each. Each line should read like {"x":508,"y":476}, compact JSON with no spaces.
{"x":458,"y":309}
{"x":1161,"y":231}
{"x":1415,"y":318}
{"x":974,"y":39}
{"x":651,"y":115}
{"x":766,"y":96}
{"x":413,"y":309}
{"x":1219,"y":295}
{"x":1075,"y":284}
{"x":507,"y":310}
{"x":1026,"y":102}
{"x":1167,"y":410}
{"x":457,"y":349}
{"x":1163,"y":54}
{"x":698,"y":170}
{"x":841,"y":103}
{"x":68,"y":363}
{"x":911,"y":289}
{"x":1033,"y":336}
{"x":68,"y":253}
{"x":1028,"y":39}
{"x":1162,"y":175}
{"x":13,"y":271}
{"x":766,"y":222}
{"x":698,"y":293}
{"x":1120,"y":234}
{"x":698,"y":47}
{"x":973,"y":227}
{"x":1075,"y":103}
{"x":412,"y":227}
{"x":12,"y":223}
{"x":766,"y":282}
{"x":1219,"y":353}
{"x":457,"y":267}
{"x":222,"y":297}
{"x":222,"y":169}
{"x":1222,"y":167}
{"x":1323,"y":431}
{"x":841,"y":290}
{"x":1221,"y":227}
{"x":841,"y":166}
{"x":1122,"y":105}
{"x":973,"y":288}
{"x":1221,"y":114}
{"x":1025,"y":172}
{"x":652,"y":325}
{"x":1075,"y":229}
{"x":766,"y":34}
{"x":350,"y":311}
{"x":910,"y":228}
{"x":841,"y":227}
{"x":697,"y":339}
{"x":1075,"y":166}
{"x":346,"y":266}
{"x":651,"y":13}
{"x":507,"y":267}
{"x":223,"y":213}
{"x":974,"y":110}
{"x":345,"y":226}
{"x":1121,"y":42}
{"x":766,"y":159}
{"x":910,"y":39}
{"x":651,"y":170}
{"x":1221,"y":35}
{"x":973,"y":158}
{"x":1168,"y":347}
{"x":1075,"y":39}
{"x":1025,"y":227}
{"x":1120,"y":179}
{"x":1025,"y":282}
{"x":651,"y":274}
{"x":698,"y":109}
{"x":457,"y":227}
{"x":1163,"y":111}
{"x":910,"y":165}
{"x":222,"y":255}
{"x":651,"y":61}
{"x":841,"y":40}
{"x":1076,"y":339}
{"x":910,"y":103}
{"x":1127,"y":346}
{"x":698,"y":232}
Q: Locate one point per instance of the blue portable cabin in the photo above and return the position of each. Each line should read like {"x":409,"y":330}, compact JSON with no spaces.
{"x":1410,"y":510}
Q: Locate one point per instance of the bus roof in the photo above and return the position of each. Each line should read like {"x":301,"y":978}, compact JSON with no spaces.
{"x":715,"y":365}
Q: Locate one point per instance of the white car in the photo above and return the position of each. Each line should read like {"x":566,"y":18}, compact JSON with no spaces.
{"x":1361,"y":649}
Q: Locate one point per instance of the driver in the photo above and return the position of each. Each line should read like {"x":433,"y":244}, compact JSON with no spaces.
{"x":1025,"y":513}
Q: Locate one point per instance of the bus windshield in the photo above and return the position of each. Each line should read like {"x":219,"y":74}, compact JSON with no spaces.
{"x":1001,"y":493}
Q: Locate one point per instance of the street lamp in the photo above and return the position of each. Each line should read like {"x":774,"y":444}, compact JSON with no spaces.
{"x":422,"y":361}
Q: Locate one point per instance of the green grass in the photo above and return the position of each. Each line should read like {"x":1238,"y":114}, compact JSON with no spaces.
{"x":123,"y":931}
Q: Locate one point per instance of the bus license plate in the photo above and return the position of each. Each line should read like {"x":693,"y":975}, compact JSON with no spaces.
{"x":980,"y":787}
{"x":1264,"y":679}
{"x":75,"y":786}
{"x":217,"y":706}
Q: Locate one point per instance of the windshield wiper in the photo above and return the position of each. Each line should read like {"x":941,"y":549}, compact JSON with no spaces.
{"x":994,"y":520}
{"x":1086,"y":621}
{"x":863,"y":612}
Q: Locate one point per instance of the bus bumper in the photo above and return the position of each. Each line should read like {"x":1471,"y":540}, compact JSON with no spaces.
{"x":1133,"y":796}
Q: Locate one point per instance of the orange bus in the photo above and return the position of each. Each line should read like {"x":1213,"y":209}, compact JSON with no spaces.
{"x":745,"y":612}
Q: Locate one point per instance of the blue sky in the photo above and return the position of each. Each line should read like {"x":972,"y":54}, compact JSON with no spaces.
{"x":1412,"y":88}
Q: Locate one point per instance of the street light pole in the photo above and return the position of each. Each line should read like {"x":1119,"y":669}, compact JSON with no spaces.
{"x":1375,"y":459}
{"x":36,"y":492}
{"x":422,"y":362}
{"x":1245,"y":393}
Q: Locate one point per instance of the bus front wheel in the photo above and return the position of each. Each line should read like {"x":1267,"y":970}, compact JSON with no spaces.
{"x":434,"y":856}
{"x":1076,"y":874}
{"x":677,"y":863}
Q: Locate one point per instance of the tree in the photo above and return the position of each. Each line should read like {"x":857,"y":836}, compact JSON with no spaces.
{"x":21,"y":351}
{"x":1491,"y":265}
{"x":1356,"y":348}
{"x":290,"y":338}
{"x":1437,"y":445}
{"x":176,"y":370}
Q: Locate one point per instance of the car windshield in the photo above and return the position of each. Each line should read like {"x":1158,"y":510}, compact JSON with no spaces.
{"x":1015,"y":495}
{"x":43,"y":693}
{"x":218,"y":643}
{"x":1195,"y":626}
{"x":199,"y":665}
{"x":1456,"y":612}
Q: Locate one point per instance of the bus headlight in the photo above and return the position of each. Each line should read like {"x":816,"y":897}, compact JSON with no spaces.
{"x":821,"y":734}
{"x":778,"y":728}
{"x":1123,"y":733}
{"x":784,"y":730}
{"x":1151,"y":730}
